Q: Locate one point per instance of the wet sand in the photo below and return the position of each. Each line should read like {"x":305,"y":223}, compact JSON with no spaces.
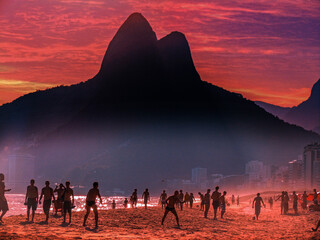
{"x":145,"y":224}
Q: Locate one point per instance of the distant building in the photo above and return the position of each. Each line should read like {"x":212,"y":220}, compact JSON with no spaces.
{"x":296,"y":174}
{"x":311,"y":158}
{"x":199,"y":175}
{"x":255,"y":171}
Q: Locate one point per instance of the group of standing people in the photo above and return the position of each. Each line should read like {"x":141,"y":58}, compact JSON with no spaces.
{"x":134,"y":198}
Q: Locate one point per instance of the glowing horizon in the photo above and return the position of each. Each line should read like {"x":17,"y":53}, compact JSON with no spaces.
{"x":266,"y":51}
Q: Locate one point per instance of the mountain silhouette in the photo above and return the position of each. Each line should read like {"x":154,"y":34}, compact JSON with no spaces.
{"x":146,"y":116}
{"x":306,"y":114}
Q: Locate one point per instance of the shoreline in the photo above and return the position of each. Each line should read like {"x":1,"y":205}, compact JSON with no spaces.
{"x":146,"y":224}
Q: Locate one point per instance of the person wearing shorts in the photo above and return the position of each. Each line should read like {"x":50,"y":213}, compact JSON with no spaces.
{"x":223,"y":203}
{"x":68,"y":202}
{"x":32,"y":196}
{"x":47,"y":194}
{"x":256,"y":204}
{"x":91,"y":203}
{"x":171,"y":202}
{"x":215,"y":201}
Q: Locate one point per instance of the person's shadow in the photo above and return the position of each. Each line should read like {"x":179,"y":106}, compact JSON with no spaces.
{"x":43,"y":223}
{"x":65,"y":224}
{"x":95,"y":229}
{"x":25,"y":223}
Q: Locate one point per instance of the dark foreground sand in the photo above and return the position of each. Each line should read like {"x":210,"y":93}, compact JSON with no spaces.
{"x":145,"y":224}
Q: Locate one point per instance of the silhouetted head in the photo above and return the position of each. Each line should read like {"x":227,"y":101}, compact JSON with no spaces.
{"x":258,"y":194}
{"x":294,"y":192}
{"x":191,"y":193}
{"x":187,"y":193}
{"x":135,"y":190}
{"x":47,"y":183}
{"x":32,"y":182}
{"x":61,"y":185}
{"x":217,"y":188}
{"x":199,"y":193}
{"x":147,"y":189}
{"x":225,"y":193}
{"x":67,"y":184}
{"x":176,"y":193}
{"x":181,"y":191}
{"x":208,"y":190}
{"x":95,"y":185}
{"x":314,"y":190}
{"x":1,"y":176}
{"x":126,"y":199}
{"x":164,"y":191}
{"x":305,"y":192}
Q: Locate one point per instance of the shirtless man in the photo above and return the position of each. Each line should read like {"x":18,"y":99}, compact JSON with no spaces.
{"x":31,"y":199}
{"x":91,"y":203}
{"x":281,"y":197}
{"x":181,"y":197}
{"x":171,"y":202}
{"x":206,"y":200}
{"x":257,"y":206}
{"x":163,"y":198}
{"x":315,"y":197}
{"x":3,"y":201}
{"x":191,"y":199}
{"x":146,"y":197}
{"x":68,"y":202}
{"x":201,"y":201}
{"x":47,"y":194}
{"x":223,"y":203}
{"x":134,"y":198}
{"x":215,"y":201}
{"x":59,"y":201}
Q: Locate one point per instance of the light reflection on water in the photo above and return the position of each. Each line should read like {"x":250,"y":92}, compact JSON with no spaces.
{"x":17,"y":207}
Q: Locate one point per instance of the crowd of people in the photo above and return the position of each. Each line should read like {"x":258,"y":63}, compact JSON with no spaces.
{"x":63,"y":201}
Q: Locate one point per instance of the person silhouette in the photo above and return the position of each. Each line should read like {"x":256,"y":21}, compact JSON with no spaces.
{"x":232,"y":199}
{"x":163,"y":198}
{"x":201,"y":201}
{"x":304,"y":200}
{"x":191,"y":199}
{"x":238,"y":200}
{"x":223,"y":203}
{"x":187,"y":198}
{"x":91,"y":203}
{"x":285,"y":203}
{"x":146,"y":197}
{"x":31,"y":200}
{"x":315,"y":197}
{"x":125,"y":203}
{"x":181,"y":197}
{"x":113,"y":204}
{"x":171,"y":202}
{"x":3,"y":201}
{"x":68,"y":202}
{"x":47,"y":194}
{"x":281,"y":197}
{"x":270,"y":201}
{"x":206,"y":200}
{"x":256,"y":204}
{"x":58,"y":204}
{"x":215,"y":201}
{"x":134,"y":198}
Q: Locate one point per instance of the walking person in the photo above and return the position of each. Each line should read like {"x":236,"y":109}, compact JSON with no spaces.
{"x":281,"y":197}
{"x":47,"y":194}
{"x":31,"y":200}
{"x":181,"y":197}
{"x":163,"y":198}
{"x":125,"y":203}
{"x":206,"y":201}
{"x":304,"y":200}
{"x":134,"y":198}
{"x":186,"y":198}
{"x":315,"y":197}
{"x":232,"y":199}
{"x":68,"y":202}
{"x":223,"y":203}
{"x":146,"y":197}
{"x":215,"y":201}
{"x":201,"y":201}
{"x":286,"y":203}
{"x":91,"y":203}
{"x":238,"y":200}
{"x":270,"y":201}
{"x":171,"y":202}
{"x":58,"y":204}
{"x":3,"y":201}
{"x":256,"y":204}
{"x":191,"y":199}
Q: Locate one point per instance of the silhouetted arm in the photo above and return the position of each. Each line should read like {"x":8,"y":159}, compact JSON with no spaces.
{"x":37,"y":198}
{"x":99,"y":197}
{"x":26,"y":195}
{"x":41,"y":196}
{"x":72,"y":198}
{"x":253,"y":203}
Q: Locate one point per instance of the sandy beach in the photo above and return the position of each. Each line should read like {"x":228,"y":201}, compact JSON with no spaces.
{"x":145,"y":224}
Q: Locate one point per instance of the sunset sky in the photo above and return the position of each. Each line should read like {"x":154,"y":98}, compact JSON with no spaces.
{"x":265,"y":50}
